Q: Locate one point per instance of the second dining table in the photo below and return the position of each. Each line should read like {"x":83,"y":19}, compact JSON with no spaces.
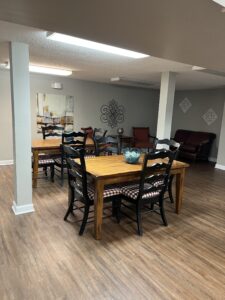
{"x":48,"y":146}
{"x":113,"y":169}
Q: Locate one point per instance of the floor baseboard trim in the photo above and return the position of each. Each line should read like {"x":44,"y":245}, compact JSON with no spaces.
{"x":22,"y":209}
{"x":6,"y":162}
{"x":221,"y":167}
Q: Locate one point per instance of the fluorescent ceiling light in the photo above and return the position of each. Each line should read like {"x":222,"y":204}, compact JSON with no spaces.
{"x":220,"y":2}
{"x":93,"y":45}
{"x":43,"y":70}
{"x":47,"y":70}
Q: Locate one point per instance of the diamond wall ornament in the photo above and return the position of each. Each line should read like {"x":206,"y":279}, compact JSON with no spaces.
{"x":112,"y":114}
{"x":210,"y":117}
{"x":185,"y":105}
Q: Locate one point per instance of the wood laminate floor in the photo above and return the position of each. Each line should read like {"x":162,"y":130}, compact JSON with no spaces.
{"x":42,"y":257}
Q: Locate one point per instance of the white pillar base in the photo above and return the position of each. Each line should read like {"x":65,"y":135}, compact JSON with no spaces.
{"x":220,"y":167}
{"x":6,"y":162}
{"x":22,"y":209}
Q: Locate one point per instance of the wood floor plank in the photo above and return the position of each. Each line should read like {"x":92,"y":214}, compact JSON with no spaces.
{"x":43,"y":257}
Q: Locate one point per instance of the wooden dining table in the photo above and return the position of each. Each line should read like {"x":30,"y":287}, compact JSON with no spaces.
{"x":48,"y":146}
{"x":113,"y":169}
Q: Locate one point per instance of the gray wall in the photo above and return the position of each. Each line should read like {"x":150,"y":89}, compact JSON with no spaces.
{"x":141,"y":105}
{"x":201,"y":101}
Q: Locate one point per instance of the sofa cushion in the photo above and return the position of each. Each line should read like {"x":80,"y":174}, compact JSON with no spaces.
{"x":181,"y":135}
{"x":196,"y":138}
{"x":188,"y":148}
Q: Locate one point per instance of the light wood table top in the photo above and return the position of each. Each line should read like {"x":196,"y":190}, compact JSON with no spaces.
{"x":115,"y":165}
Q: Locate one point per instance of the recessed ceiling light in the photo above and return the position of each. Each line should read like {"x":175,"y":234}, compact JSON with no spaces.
{"x":220,"y":2}
{"x":93,"y":45}
{"x":43,"y":70}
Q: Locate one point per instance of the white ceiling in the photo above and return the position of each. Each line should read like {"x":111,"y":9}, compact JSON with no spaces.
{"x":98,"y":66}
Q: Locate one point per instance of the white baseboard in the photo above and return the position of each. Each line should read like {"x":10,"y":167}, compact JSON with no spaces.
{"x":6,"y":162}
{"x":22,"y":209}
{"x":221,"y":167}
{"x":213,"y":159}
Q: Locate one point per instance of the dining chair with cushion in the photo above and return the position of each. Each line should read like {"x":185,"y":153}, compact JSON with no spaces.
{"x":80,"y":188}
{"x":141,"y":136}
{"x":107,"y":145}
{"x":173,"y":146}
{"x":74,"y":139}
{"x":151,"y":187}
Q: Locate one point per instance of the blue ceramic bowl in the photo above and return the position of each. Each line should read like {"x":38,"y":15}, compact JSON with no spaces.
{"x":132,"y":155}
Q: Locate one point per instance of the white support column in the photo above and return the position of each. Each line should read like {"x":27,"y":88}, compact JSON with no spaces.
{"x":20,"y":93}
{"x":166,"y":100}
{"x":220,"y":164}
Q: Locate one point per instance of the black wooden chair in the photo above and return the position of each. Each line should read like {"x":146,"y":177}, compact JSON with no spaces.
{"x":107,"y":145}
{"x":74,"y":139}
{"x":99,"y":133}
{"x":173,"y":146}
{"x":151,"y":188}
{"x":52,"y":131}
{"x":80,"y":189}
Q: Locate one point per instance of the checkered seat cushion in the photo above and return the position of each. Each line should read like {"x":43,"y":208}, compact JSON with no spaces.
{"x":48,"y":161}
{"x":89,"y":156}
{"x":58,"y":161}
{"x":44,"y":160}
{"x":132,"y":191}
{"x":109,"y":191}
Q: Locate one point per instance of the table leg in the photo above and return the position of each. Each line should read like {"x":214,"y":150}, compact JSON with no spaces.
{"x":179,"y":189}
{"x":35,"y":168}
{"x":98,"y":203}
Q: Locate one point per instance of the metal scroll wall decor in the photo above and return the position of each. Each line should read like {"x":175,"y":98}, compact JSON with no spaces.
{"x":112,"y":114}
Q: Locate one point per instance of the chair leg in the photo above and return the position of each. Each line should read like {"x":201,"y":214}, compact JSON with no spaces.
{"x":139,"y":219}
{"x":52,"y":172}
{"x":70,"y":203}
{"x":62,"y":178}
{"x":45,"y":169}
{"x":116,"y":209}
{"x":170,"y":188}
{"x":162,"y":212}
{"x":85,"y":218}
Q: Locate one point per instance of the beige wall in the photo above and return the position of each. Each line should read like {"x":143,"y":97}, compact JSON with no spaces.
{"x":201,"y":101}
{"x":141,"y":105}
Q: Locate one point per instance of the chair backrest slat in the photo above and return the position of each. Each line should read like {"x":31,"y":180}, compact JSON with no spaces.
{"x":171,"y":145}
{"x":52,"y":131}
{"x":155,"y":175}
{"x":77,"y":176}
{"x":107,"y":145}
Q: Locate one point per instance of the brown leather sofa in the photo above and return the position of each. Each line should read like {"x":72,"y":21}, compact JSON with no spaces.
{"x":194,"y":144}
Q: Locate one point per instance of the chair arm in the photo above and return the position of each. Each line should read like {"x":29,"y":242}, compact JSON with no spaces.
{"x":204,"y":142}
{"x":203,"y":145}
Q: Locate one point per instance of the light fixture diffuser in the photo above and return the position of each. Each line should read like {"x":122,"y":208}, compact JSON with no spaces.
{"x":48,"y":70}
{"x":43,"y":70}
{"x":220,"y":2}
{"x":93,"y":45}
